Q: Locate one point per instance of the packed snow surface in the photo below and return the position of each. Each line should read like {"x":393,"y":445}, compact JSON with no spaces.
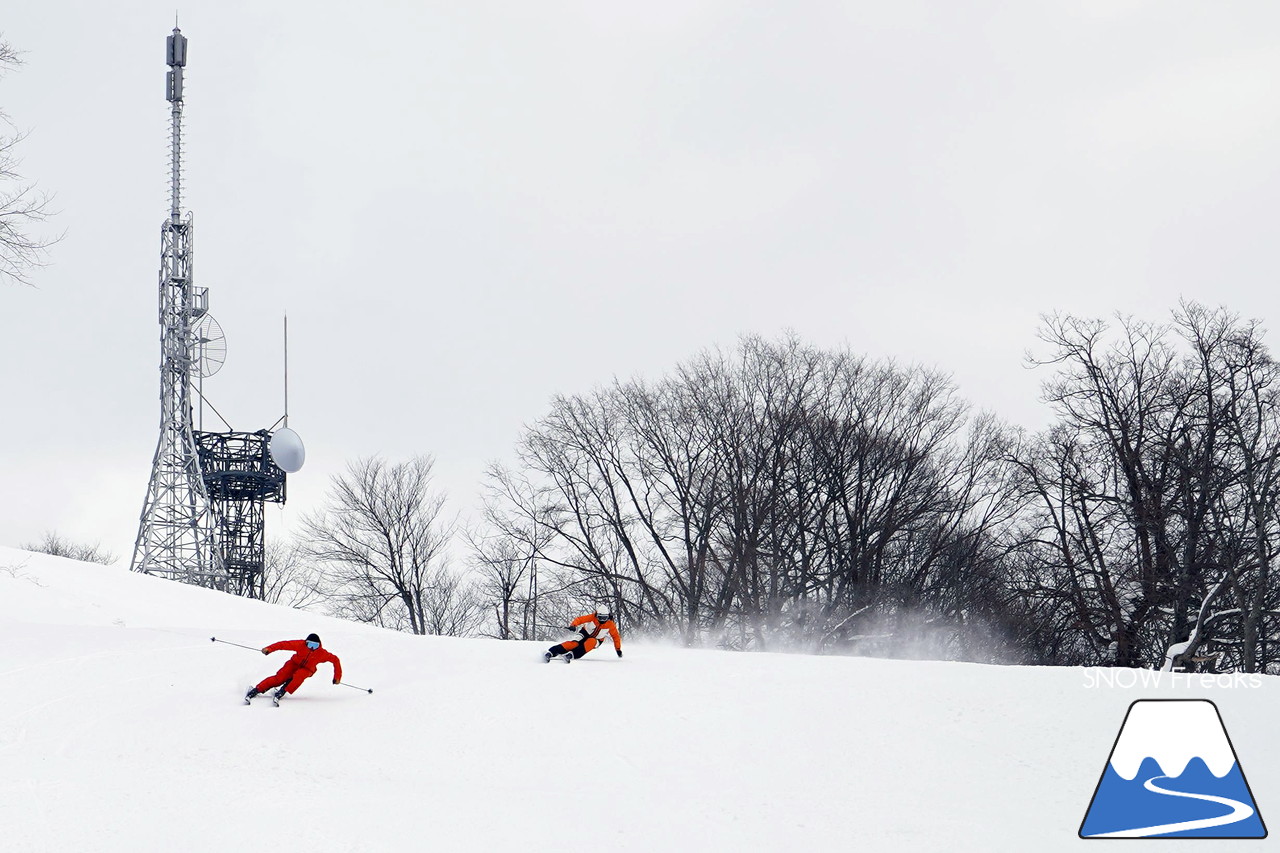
{"x":122,"y":728}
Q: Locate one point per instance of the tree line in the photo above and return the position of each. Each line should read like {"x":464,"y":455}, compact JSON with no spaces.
{"x":779,"y":496}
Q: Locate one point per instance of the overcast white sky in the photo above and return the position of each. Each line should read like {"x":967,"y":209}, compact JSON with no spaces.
{"x":466,"y":208}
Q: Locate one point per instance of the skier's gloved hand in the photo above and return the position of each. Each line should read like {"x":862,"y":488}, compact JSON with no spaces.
{"x":619,"y":651}
{"x":335,"y":681}
{"x":265,"y":652}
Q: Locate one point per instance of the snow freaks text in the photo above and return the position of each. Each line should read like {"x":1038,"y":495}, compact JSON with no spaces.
{"x":1125,"y":678}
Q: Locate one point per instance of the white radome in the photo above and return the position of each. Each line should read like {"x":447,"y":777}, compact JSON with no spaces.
{"x":287,"y":450}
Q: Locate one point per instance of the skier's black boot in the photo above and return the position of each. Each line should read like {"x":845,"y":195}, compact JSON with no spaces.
{"x":253,"y":691}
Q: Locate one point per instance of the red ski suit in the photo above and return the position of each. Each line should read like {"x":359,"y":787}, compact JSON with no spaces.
{"x":298,"y":668}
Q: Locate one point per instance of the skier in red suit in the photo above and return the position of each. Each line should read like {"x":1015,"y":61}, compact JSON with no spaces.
{"x":307,"y":655}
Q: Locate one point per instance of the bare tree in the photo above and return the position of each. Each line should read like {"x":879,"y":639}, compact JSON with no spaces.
{"x":526,"y":576}
{"x":507,"y":574}
{"x":22,"y":206}
{"x":55,"y":544}
{"x":451,"y":603}
{"x":1242,"y":389}
{"x":288,"y":577}
{"x":381,"y":542}
{"x":1113,"y":478}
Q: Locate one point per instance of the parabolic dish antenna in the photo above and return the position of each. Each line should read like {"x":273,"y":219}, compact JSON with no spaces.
{"x":210,"y":347}
{"x":286,"y":450}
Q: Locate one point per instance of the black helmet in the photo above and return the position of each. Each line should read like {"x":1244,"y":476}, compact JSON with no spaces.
{"x":313,"y":638}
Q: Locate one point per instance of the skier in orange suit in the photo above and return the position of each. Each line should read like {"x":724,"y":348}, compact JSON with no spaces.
{"x":590,"y":626}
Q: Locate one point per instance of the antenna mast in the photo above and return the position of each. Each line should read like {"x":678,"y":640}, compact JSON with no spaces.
{"x":286,"y":371}
{"x":177,"y":532}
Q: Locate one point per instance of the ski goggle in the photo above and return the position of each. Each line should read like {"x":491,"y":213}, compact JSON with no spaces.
{"x":312,"y":644}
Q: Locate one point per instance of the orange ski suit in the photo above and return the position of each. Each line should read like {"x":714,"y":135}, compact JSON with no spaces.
{"x":298,"y":668}
{"x":591,"y":627}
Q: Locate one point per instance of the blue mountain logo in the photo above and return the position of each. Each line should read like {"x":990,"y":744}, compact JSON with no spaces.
{"x":1173,"y":773}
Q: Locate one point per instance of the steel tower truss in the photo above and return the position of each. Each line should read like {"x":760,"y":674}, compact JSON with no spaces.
{"x":240,"y":477}
{"x":177,"y":532}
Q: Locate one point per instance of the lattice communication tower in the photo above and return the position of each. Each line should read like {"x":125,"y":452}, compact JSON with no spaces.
{"x":203,"y":518}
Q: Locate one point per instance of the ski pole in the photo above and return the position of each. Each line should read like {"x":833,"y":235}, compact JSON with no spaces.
{"x":229,"y":643}
{"x":353,"y":687}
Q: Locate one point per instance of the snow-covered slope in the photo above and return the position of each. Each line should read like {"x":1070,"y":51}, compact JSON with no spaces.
{"x":122,"y":729}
